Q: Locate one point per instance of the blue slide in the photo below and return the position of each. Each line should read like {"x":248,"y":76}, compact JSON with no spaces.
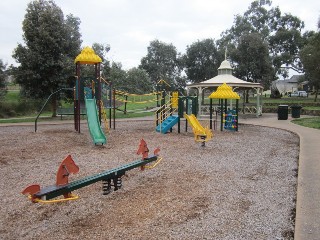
{"x":168,"y":123}
{"x":94,"y":126}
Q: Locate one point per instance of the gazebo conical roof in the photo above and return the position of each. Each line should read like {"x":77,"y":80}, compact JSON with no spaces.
{"x":88,"y":56}
{"x":225,"y":65}
{"x":224,"y":92}
{"x":225,"y":76}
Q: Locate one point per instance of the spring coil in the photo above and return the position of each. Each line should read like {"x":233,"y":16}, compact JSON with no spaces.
{"x":117,"y":183}
{"x":106,"y":186}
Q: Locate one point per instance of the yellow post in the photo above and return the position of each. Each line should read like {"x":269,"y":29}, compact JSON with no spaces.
{"x":174,"y":99}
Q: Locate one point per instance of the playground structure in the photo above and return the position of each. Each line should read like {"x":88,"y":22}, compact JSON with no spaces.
{"x":170,"y":113}
{"x":229,"y":117}
{"x":90,"y":95}
{"x":201,"y":134}
{"x":178,"y":107}
{"x":187,"y":107}
{"x":95,"y":95}
{"x":87,"y":96}
{"x":110,"y":178}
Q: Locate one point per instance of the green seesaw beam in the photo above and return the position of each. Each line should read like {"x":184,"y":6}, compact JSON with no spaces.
{"x":50,"y":192}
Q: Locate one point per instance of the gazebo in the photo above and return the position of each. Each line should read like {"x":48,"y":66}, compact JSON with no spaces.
{"x":225,"y":76}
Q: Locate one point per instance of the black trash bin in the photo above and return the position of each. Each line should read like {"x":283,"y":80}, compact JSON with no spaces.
{"x":295,"y":111}
{"x":283,"y":112}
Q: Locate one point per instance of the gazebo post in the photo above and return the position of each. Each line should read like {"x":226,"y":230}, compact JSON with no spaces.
{"x":258,"y":102}
{"x":211,"y":113}
{"x":199,"y":100}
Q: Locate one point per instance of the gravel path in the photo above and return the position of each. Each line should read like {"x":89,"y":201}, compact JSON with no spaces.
{"x":242,"y":185}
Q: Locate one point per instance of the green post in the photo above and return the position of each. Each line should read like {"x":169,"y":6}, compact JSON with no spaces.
{"x":163,"y":98}
{"x":125,"y":104}
{"x":237,"y":112}
{"x":187,"y":108}
{"x":110,"y":104}
{"x":180,"y":107}
{"x":221,"y":113}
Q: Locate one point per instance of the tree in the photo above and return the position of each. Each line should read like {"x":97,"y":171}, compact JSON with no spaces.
{"x":162,"y":62}
{"x":3,"y":76}
{"x":51,"y":44}
{"x":202,"y":60}
{"x":138,"y":81}
{"x":310,"y":56}
{"x":101,"y":50}
{"x":118,"y":76}
{"x":252,"y":60}
{"x":134,"y":80}
{"x":282,"y":33}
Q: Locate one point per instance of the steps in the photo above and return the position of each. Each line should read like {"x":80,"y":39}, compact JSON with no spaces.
{"x":168,"y":123}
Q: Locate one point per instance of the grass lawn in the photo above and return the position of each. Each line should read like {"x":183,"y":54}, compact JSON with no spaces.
{"x":312,"y":122}
{"x":12,"y":96}
{"x":135,"y":108}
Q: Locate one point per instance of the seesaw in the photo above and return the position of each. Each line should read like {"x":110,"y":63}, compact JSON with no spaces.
{"x":110,"y":178}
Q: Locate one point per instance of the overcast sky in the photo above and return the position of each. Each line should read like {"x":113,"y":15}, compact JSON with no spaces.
{"x":128,"y":26}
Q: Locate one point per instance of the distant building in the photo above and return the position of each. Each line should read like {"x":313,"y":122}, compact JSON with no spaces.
{"x":289,"y":85}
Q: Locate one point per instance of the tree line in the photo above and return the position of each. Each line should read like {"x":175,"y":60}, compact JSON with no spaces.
{"x":262,"y":44}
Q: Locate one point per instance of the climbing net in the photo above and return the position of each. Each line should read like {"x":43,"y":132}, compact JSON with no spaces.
{"x":137,"y":98}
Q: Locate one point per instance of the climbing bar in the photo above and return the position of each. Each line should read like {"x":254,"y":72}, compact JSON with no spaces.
{"x":138,"y":102}
{"x":133,"y":94}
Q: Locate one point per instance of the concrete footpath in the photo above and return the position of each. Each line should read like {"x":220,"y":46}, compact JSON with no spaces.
{"x":308,"y":195}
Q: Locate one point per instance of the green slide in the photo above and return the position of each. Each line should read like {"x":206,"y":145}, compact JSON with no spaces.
{"x":96,"y":132}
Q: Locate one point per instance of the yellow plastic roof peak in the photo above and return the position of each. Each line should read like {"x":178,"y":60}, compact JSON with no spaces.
{"x":224,"y":92}
{"x":88,"y":56}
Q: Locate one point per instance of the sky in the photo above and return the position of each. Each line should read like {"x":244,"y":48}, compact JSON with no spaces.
{"x":129,"y":26}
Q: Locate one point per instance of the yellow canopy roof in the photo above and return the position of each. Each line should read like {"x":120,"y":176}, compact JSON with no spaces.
{"x":88,"y":56}
{"x":224,"y":92}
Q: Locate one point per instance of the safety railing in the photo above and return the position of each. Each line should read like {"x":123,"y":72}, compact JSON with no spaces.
{"x":164,"y":112}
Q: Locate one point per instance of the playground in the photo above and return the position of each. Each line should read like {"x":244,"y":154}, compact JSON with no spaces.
{"x":236,"y":183}
{"x":241,"y":185}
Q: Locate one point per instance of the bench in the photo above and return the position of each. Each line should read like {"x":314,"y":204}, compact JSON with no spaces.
{"x":69,"y":111}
